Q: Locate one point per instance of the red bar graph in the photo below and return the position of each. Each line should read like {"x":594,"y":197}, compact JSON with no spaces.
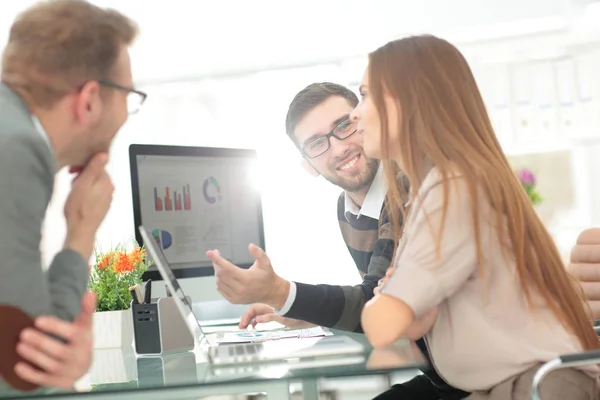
{"x":173,"y":201}
{"x":187,"y":204}
{"x":158,"y":204}
{"x":177,"y":197}
{"x":168,"y":201}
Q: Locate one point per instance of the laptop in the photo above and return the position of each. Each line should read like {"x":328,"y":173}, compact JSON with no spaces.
{"x":265,"y":350}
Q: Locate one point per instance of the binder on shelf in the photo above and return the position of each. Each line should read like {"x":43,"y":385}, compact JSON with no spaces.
{"x":566,"y":85}
{"x":500,"y":104}
{"x":524,"y":109}
{"x":546,"y":125}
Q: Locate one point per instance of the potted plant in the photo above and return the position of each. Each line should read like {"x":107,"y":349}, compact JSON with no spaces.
{"x":111,"y":275}
{"x":529,"y":182}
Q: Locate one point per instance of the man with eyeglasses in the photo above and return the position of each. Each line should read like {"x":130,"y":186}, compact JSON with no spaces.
{"x":319,"y":125}
{"x":66,"y":89}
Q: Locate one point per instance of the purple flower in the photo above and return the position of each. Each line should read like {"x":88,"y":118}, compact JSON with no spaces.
{"x":527,"y":177}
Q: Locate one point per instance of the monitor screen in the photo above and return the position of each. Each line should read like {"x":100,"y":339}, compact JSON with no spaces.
{"x":194,"y":199}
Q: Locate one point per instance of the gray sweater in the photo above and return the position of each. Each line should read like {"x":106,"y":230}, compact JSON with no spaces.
{"x":27,"y":169}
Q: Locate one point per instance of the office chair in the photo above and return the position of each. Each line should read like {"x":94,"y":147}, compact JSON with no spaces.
{"x":585,"y":251}
{"x":566,"y":361}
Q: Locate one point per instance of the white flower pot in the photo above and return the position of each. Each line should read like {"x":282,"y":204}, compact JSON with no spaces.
{"x":113,"y":329}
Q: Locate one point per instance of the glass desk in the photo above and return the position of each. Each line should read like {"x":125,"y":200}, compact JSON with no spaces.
{"x":119,"y":373}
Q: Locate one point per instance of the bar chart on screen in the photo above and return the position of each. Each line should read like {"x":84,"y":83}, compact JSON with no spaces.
{"x":188,"y":214}
{"x":187,"y":206}
{"x":173,"y":198}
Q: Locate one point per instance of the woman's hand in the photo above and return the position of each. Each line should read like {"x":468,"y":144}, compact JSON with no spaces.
{"x":383,"y":281}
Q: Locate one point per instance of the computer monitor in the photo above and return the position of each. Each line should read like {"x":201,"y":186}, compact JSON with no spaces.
{"x":195,"y":199}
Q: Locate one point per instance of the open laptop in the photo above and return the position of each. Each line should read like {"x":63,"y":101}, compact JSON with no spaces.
{"x":266,"y":350}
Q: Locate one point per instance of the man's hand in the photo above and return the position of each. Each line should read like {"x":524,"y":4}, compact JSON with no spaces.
{"x":262,"y":313}
{"x":58,"y":364}
{"x":384,"y":280}
{"x":258,"y":284}
{"x":588,"y":276}
{"x":87,"y":205}
{"x":584,"y":266}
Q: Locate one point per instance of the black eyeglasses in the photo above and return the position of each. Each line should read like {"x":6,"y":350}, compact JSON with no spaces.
{"x":320,"y":144}
{"x":135,"y":98}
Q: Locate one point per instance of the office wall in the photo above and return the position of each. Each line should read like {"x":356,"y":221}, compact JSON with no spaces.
{"x":542,"y":92}
{"x":299,"y":210}
{"x":184,"y":39}
{"x":546,"y":118}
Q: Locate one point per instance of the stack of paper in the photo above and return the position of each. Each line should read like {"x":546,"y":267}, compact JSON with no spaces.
{"x":259,"y":336}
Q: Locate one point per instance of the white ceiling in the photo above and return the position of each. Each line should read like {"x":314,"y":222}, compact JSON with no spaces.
{"x":195,"y":38}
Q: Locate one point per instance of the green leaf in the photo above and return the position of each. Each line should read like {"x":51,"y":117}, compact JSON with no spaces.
{"x":112,"y":288}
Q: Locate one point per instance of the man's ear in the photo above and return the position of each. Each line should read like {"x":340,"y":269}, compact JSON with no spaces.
{"x":88,"y":106}
{"x":309,"y":168}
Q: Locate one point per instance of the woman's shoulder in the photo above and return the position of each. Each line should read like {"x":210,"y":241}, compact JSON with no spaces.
{"x":434,"y":181}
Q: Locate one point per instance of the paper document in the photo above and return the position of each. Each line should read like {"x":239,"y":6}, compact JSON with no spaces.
{"x":259,"y":336}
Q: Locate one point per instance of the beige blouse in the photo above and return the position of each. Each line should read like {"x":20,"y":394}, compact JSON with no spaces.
{"x":484,"y":332}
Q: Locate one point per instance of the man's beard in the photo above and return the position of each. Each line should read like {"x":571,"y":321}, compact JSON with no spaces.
{"x":90,"y":145}
{"x":359,"y":181}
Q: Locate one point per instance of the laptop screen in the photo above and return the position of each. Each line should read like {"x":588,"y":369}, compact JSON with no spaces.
{"x":166,"y":272}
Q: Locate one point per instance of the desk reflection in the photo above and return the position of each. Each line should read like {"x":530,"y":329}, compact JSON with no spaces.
{"x":121,"y":372}
{"x":395,"y":356}
{"x":167,"y":370}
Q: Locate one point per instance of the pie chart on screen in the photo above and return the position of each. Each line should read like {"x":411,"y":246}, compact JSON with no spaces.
{"x":163,"y":238}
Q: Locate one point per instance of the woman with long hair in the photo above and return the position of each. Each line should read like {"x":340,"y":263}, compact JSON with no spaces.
{"x":476,"y":272}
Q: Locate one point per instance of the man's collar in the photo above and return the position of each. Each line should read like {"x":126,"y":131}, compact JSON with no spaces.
{"x":40,"y":128}
{"x":6,"y":89}
{"x":373,"y":200}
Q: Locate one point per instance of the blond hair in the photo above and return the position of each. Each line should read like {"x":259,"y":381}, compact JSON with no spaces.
{"x":56,"y":46}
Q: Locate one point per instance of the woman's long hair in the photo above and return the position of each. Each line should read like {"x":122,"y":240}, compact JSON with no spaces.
{"x":444,"y":122}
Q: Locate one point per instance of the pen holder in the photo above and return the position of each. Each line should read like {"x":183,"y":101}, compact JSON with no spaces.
{"x":159,"y":328}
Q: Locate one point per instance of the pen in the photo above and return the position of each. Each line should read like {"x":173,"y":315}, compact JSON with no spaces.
{"x":148,"y":292}
{"x":133,"y":295}
{"x":138,"y":293}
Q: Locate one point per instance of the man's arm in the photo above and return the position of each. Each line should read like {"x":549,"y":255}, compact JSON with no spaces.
{"x":340,"y":307}
{"x":332,"y":306}
{"x":26,"y":181}
{"x":67,"y":281}
{"x":53,"y":362}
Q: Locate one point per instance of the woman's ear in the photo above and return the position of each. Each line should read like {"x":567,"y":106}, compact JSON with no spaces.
{"x":309,"y":168}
